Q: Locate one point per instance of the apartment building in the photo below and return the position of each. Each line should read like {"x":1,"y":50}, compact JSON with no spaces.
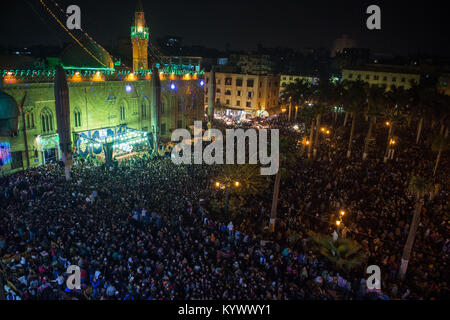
{"x":286,"y":79}
{"x":249,"y":93}
{"x":387,"y":75}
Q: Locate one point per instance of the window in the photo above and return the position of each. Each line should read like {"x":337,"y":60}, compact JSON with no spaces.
{"x":350,"y":75}
{"x":239,"y":82}
{"x":77,"y":117}
{"x":227,"y":102}
{"x":218,"y":90}
{"x":367,"y":77}
{"x":163,"y":128}
{"x":180,"y":124}
{"x":144,"y":108}
{"x":250,"y":83}
{"x":228,"y":92}
{"x":260,"y":84}
{"x":239,"y":93}
{"x":248,"y":104}
{"x":122,"y":112}
{"x":384,"y":78}
{"x":217,"y":100}
{"x":218,"y":81}
{"x":284,"y":78}
{"x":30,"y":120}
{"x":290,"y":78}
{"x":228,"y":81}
{"x":250,"y":94}
{"x":394,"y":79}
{"x":16,"y":160}
{"x":238,"y":102}
{"x":376,"y":77}
{"x":358,"y":76}
{"x":47,"y":120}
{"x":403,"y":79}
{"x":163,"y":105}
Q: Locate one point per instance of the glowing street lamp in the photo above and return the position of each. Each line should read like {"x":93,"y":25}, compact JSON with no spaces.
{"x":342,"y":213}
{"x":225,"y":186}
{"x":338,"y":223}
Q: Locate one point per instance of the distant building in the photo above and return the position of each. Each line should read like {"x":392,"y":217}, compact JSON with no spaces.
{"x":388,"y":75}
{"x":444,"y":84}
{"x":286,"y":79}
{"x":258,"y":64}
{"x":242,"y":92}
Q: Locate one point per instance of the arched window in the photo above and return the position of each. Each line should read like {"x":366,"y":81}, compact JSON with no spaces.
{"x":30,"y":120}
{"x":144,"y":107}
{"x":123,"y":108}
{"x":77,"y":117}
{"x":47,"y":120}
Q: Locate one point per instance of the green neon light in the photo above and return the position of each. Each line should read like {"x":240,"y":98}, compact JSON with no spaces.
{"x":86,"y":68}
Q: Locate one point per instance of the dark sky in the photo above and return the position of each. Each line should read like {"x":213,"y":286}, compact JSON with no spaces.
{"x":407,"y":26}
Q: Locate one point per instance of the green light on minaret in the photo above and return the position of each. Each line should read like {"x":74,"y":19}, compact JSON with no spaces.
{"x":139,"y":32}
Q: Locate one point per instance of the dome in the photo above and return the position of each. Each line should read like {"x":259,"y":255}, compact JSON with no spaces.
{"x":9,"y":113}
{"x":74,"y":56}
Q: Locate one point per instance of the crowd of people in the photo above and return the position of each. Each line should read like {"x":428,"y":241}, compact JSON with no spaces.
{"x":142,"y":229}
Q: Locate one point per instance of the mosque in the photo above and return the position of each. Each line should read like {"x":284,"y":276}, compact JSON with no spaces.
{"x":107,"y":101}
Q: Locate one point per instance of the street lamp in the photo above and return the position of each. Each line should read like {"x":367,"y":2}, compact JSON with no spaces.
{"x":225,"y":186}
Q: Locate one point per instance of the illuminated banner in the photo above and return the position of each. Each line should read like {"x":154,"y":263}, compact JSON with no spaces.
{"x":5,"y":154}
{"x":91,"y":142}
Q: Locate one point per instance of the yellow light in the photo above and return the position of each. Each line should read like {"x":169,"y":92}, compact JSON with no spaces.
{"x":283,"y":109}
{"x":323,"y":129}
{"x":307,"y":142}
{"x":139,"y":29}
{"x":388,"y":123}
{"x":328,"y":131}
{"x":237,"y":183}
{"x":342,"y":212}
{"x":217,"y":184}
{"x":338,"y":222}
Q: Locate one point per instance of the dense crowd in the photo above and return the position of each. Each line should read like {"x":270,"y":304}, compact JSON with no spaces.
{"x":141,"y":230}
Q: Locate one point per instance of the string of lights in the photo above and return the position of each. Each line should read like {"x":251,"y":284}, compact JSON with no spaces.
{"x":86,"y":34}
{"x":70,"y":34}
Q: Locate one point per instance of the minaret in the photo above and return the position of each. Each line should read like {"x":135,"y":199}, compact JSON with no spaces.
{"x":139,"y":39}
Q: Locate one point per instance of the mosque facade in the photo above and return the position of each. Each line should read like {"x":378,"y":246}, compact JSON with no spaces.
{"x":105,"y":100}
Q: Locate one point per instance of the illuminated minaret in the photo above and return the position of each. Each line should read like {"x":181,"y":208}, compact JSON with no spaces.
{"x":139,"y":39}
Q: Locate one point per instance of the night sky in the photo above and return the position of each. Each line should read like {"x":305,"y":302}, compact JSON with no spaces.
{"x":407,"y":27}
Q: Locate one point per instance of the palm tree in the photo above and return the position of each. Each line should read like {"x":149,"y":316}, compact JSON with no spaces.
{"x":354,"y":101}
{"x":439,"y":145}
{"x":344,"y":253}
{"x":419,"y":187}
{"x":297,"y":93}
{"x":288,"y":155}
{"x":324,"y":95}
{"x":241,"y":180}
{"x":397,"y":100}
{"x":375,"y":101}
